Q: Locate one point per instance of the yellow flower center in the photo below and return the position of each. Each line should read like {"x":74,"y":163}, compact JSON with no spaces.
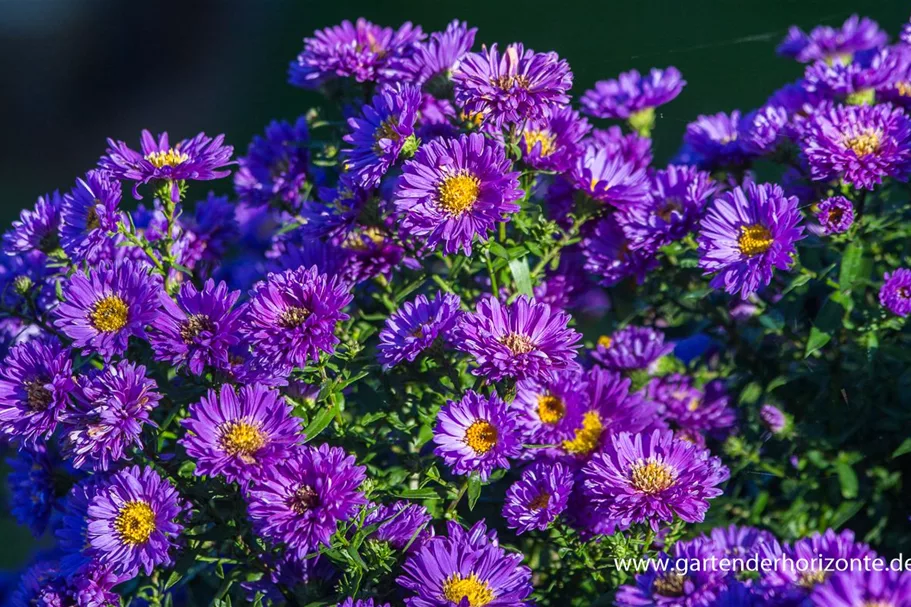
{"x":671,"y":206}
{"x":669,"y":585}
{"x":864,"y":143}
{"x":754,"y":240}
{"x":507,"y":82}
{"x":540,"y":502}
{"x":304,"y":498}
{"x":604,"y":341}
{"x":809,"y":579}
{"x":550,"y":408}
{"x":110,"y":314}
{"x":694,"y":403}
{"x":651,"y":476}
{"x":481,"y":436}
{"x":135,"y":522}
{"x":878,"y":604}
{"x":544,"y":137}
{"x":477,"y":592}
{"x":293,"y":317}
{"x":904,"y":89}
{"x":37,"y":397}
{"x":587,"y":437}
{"x":459,"y":193}
{"x":171,"y":158}
{"x":242,"y":439}
{"x":91,"y":219}
{"x":517,"y":344}
{"x":193,"y":326}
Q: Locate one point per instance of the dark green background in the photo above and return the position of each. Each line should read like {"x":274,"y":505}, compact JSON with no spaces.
{"x":73,"y":72}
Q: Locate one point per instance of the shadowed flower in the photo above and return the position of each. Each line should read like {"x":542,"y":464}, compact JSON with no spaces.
{"x":36,"y":229}
{"x":538,"y":497}
{"x":761,"y":132}
{"x":401,"y":524}
{"x":610,"y":257}
{"x":552,"y":144}
{"x":835,"y":214}
{"x":703,"y":410}
{"x":831,"y":43}
{"x":431,"y":65}
{"x":715,"y":140}
{"x":869,"y":588}
{"x":608,"y":177}
{"x":633,"y":96}
{"x":275,"y":169}
{"x":895,"y":294}
{"x":31,"y":484}
{"x":416,"y":326}
{"x":88,"y":213}
{"x":631,"y":348}
{"x":634,"y":150}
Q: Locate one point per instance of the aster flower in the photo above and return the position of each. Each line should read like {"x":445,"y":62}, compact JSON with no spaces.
{"x":88,"y":213}
{"x":198,"y":329}
{"x":773,"y":418}
{"x":854,"y":81}
{"x":214,"y":227}
{"x":634,"y":150}
{"x":416,"y":326}
{"x":830,"y":43}
{"x":361,"y":51}
{"x":692,"y":409}
{"x":237,"y":434}
{"x":835,"y":214}
{"x":36,"y":379}
{"x":454,"y":189}
{"x":739,"y":541}
{"x":32,"y":491}
{"x":36,"y":229}
{"x":608,"y":177}
{"x":300,"y":500}
{"x":349,"y":602}
{"x":72,"y":532}
{"x":513,"y":87}
{"x":761,"y":132}
{"x":465,"y":569}
{"x":538,"y":497}
{"x":106,"y":306}
{"x":633,"y":96}
{"x":432,"y":63}
{"x":851,"y":588}
{"x":292,"y":316}
{"x":859,"y":144}
{"x":715,"y":140}
{"x":651,"y":478}
{"x":524,"y":339}
{"x":400,"y":524}
{"x":745,"y":234}
{"x":549,"y":411}
{"x":276,"y":166}
{"x":379,"y":134}
{"x":631,"y":348}
{"x":131,"y":521}
{"x":372,"y":251}
{"x":476,"y":434}
{"x":553,"y":143}
{"x":109,"y":410}
{"x":895,"y":294}
{"x":609,"y":255}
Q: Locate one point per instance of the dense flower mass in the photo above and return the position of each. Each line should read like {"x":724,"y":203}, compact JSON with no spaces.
{"x":457,"y":338}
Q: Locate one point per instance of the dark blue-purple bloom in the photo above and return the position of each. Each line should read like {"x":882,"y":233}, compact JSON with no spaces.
{"x":548,"y":412}
{"x":608,"y":177}
{"x":703,"y":410}
{"x":633,"y":94}
{"x":895,"y":294}
{"x":634,"y":150}
{"x":36,"y":229}
{"x":88,"y":213}
{"x":631,"y":348}
{"x":416,"y":326}
{"x":835,"y":214}
{"x":773,"y":418}
{"x":430,"y":67}
{"x":538,"y":497}
{"x":746,"y":233}
{"x":32,"y":491}
{"x":609,"y":254}
{"x":762,"y":131}
{"x":854,"y":81}
{"x":831,"y":43}
{"x":716,"y":140}
{"x":868,"y":588}
{"x":276,"y":166}
{"x":552,"y":144}
{"x":400,"y":524}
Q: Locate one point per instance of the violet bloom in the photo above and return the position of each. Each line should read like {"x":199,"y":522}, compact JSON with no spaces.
{"x":31,"y":483}
{"x":856,"y":81}
{"x":131,"y":522}
{"x":524,"y":339}
{"x":895,"y":294}
{"x":652,"y":478}
{"x":633,"y":96}
{"x":631,"y":348}
{"x":716,"y":140}
{"x":872,"y":587}
{"x":476,"y":434}
{"x":694,"y":410}
{"x":361,"y":51}
{"x":106,"y":306}
{"x":548,"y":412}
{"x":608,"y":177}
{"x":379,"y":134}
{"x":109,"y":410}
{"x":349,"y":602}
{"x":538,"y":497}
{"x":276,"y":166}
{"x":746,"y":233}
{"x":36,"y":229}
{"x":300,"y":499}
{"x":198,"y":329}
{"x":831,"y":43}
{"x":237,"y":434}
{"x":517,"y":86}
{"x":835,"y":215}
{"x":88,"y":213}
{"x":858,"y":144}
{"x":761,"y":132}
{"x":634,"y":150}
{"x":416,"y":326}
{"x":609,"y":254}
{"x":402,"y":525}
{"x":198,"y":159}
{"x":431,"y":65}
{"x":552,"y":144}
{"x":772,"y":418}
{"x":292,"y":316}
{"x":455,"y":189}
{"x":36,"y":379}
{"x":739,"y":541}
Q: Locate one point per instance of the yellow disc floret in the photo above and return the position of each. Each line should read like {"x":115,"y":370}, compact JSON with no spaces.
{"x":754,"y":240}
{"x":110,"y":314}
{"x":135,"y":522}
{"x":651,"y":476}
{"x":478,"y":593}
{"x":459,"y":193}
{"x":481,"y":436}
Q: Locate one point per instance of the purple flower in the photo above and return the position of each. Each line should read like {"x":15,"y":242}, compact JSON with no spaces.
{"x":432,"y":63}
{"x":859,"y":144}
{"x":476,"y":434}
{"x":400,"y":524}
{"x":131,"y":521}
{"x":465,"y":569}
{"x":275,"y":168}
{"x":88,"y":213}
{"x":826,"y":42}
{"x":872,"y":587}
{"x":349,"y":602}
{"x":524,"y":339}
{"x":455,"y":189}
{"x":110,"y":408}
{"x":855,"y":80}
{"x":651,"y":478}
{"x":238,"y":434}
{"x":106,"y":306}
{"x":745,"y":234}
{"x":610,"y":257}
{"x":416,"y":326}
{"x":548,"y":412}
{"x":762,"y":131}
{"x":739,"y":542}
{"x":538,"y":497}
{"x":378,"y":135}
{"x":516,"y":86}
{"x":631,"y":348}
{"x":292,"y":316}
{"x":895,"y":294}
{"x":72,"y":533}
{"x":835,"y":214}
{"x":200,"y":159}
{"x":632,"y":93}
{"x":32,"y":491}
{"x":197,"y":330}
{"x":361,"y":51}
{"x":692,"y":409}
{"x":36,"y":229}
{"x":608,"y":177}
{"x":36,"y":379}
{"x":552,"y":144}
{"x":716,"y":140}
{"x":773,"y":418}
{"x":299,"y":500}
{"x":634,"y":150}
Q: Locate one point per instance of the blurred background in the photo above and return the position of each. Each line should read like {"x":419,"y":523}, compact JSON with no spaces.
{"x":75,"y":72}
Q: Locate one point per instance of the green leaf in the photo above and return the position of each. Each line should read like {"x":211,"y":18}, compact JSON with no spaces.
{"x":848,"y":480}
{"x":521,"y":276}
{"x":497,"y":249}
{"x":903,"y":448}
{"x":320,"y":421}
{"x":817,"y":340}
{"x":474,"y":490}
{"x":419,"y":494}
{"x":852,"y":265}
{"x":827,"y":321}
{"x":799,"y":281}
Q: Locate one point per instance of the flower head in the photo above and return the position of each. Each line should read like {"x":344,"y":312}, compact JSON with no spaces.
{"x":608,"y":177}
{"x":610,"y":256}
{"x":476,"y":434}
{"x":552,"y":144}
{"x":831,"y":43}
{"x":692,"y":409}
{"x":431,"y":65}
{"x":872,"y":587}
{"x":88,"y":213}
{"x":773,"y":418}
{"x":835,"y":214}
{"x":745,"y":234}
{"x":416,"y":326}
{"x":633,"y":148}
{"x":631,"y":348}
{"x":549,"y":411}
{"x":855,"y":80}
{"x":538,"y":497}
{"x":36,"y":229}
{"x":276,"y":166}
{"x":400,"y":524}
{"x":32,"y":490}
{"x":761,"y":132}
{"x":632,"y":93}
{"x":895,"y":294}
